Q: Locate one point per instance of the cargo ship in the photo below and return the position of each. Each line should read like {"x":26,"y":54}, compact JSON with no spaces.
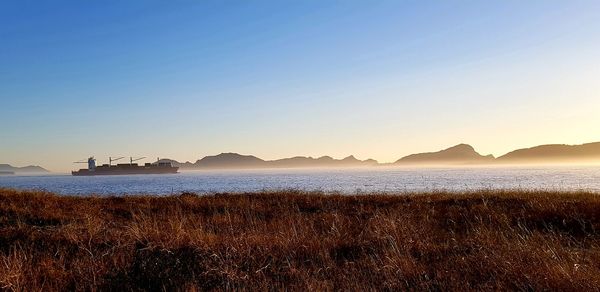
{"x":124,"y":168}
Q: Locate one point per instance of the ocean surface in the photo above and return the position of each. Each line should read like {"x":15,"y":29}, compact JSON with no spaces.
{"x":350,"y":181}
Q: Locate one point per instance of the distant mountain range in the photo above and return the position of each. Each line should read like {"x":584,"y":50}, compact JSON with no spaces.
{"x":25,"y":169}
{"x":543,"y":154}
{"x":238,"y":161}
{"x":462,"y":154}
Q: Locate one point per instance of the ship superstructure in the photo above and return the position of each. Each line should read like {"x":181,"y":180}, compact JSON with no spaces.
{"x":124,"y":168}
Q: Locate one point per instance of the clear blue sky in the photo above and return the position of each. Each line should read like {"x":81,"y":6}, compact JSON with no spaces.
{"x":378,"y":79}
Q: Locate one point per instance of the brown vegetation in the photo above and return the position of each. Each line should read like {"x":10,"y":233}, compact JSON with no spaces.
{"x":482,"y":240}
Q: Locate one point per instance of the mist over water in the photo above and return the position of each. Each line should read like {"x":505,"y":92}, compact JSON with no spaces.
{"x":350,"y":181}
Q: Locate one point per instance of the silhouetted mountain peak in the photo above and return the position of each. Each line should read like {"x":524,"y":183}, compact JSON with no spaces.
{"x":461,"y":147}
{"x":554,"y":153}
{"x":229,"y":160}
{"x":458,"y":154}
{"x":232,"y":155}
{"x":350,"y":159}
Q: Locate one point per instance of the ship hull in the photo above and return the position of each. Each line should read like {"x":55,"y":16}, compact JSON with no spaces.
{"x":125,"y":171}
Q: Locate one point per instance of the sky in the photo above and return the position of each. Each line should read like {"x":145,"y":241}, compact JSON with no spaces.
{"x":374,"y":79}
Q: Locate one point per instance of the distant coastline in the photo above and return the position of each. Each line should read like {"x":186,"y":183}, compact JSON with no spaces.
{"x":7,"y":169}
{"x":458,"y":155}
{"x":462,"y":154}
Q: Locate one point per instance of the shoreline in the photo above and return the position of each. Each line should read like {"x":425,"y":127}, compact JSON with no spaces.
{"x":479,"y":240}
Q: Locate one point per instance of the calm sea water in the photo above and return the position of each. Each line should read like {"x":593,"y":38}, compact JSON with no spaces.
{"x":327,"y":180}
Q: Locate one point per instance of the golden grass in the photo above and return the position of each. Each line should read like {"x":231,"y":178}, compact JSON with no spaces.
{"x":493,"y":240}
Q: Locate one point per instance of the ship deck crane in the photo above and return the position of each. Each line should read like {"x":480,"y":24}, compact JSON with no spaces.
{"x":91,"y":162}
{"x":131,"y":159}
{"x":110,"y":160}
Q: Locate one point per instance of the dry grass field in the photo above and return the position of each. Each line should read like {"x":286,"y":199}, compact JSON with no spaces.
{"x":491,"y":240}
